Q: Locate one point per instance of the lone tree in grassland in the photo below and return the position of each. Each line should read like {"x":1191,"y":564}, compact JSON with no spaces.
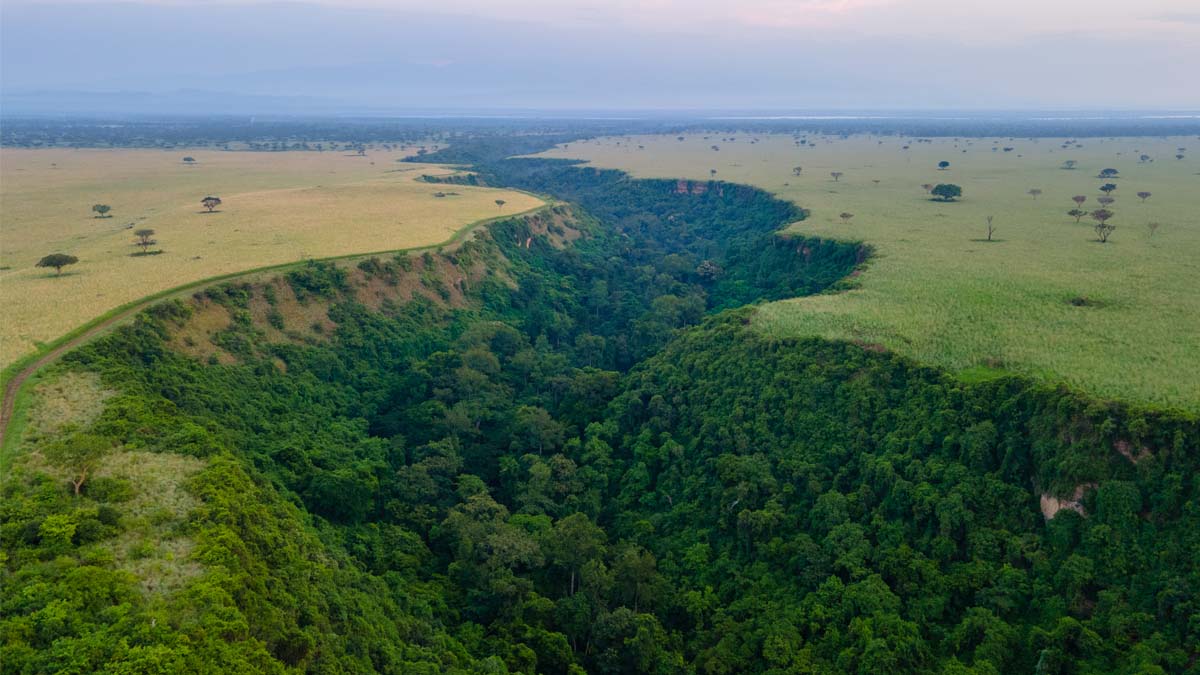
{"x":796,"y":170}
{"x":1143,"y":195}
{"x":836,"y":175}
{"x":1144,"y":158}
{"x":712,"y":173}
{"x":845,"y":216}
{"x":1069,"y":164}
{"x":190,"y":161}
{"x":1107,"y":173}
{"x":1103,"y":229}
{"x":101,"y":210}
{"x":1179,"y":156}
{"x":57,"y":261}
{"x":943,"y":165}
{"x":928,"y":187}
{"x":500,"y":203}
{"x":1105,"y":201}
{"x":1108,"y":188}
{"x":946,"y":192}
{"x":991,"y":229}
{"x":1077,"y":213}
{"x":1152,"y":226}
{"x":1079,"y":199}
{"x":81,"y":455}
{"x":1034,"y":192}
{"x":210,"y":203}
{"x":145,"y":239}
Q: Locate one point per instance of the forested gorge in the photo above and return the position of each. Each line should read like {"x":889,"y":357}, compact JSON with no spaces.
{"x":582,"y":458}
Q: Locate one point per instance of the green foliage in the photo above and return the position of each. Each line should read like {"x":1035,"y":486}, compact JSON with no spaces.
{"x":602,"y":470}
{"x":946,"y":192}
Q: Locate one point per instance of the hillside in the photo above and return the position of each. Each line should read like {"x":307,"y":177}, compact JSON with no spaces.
{"x":563,"y":446}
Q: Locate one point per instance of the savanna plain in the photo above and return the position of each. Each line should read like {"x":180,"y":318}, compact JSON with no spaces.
{"x":276,"y":207}
{"x":1038,"y":295}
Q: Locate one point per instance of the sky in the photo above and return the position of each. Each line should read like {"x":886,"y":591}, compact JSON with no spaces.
{"x":464,"y":55}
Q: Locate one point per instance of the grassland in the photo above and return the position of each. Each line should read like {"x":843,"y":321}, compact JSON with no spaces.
{"x":1118,"y":320}
{"x":276,"y":208}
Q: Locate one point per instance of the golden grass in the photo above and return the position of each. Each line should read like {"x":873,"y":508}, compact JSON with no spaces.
{"x":277,"y":208}
{"x":937,"y":293}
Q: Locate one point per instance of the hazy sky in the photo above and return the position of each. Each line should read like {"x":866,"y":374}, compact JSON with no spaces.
{"x":793,"y":54}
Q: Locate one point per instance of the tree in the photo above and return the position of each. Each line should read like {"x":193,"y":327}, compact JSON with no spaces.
{"x":1069,"y":164}
{"x":943,"y":165}
{"x":1143,"y":195}
{"x":946,"y":192}
{"x":145,"y":238}
{"x":1179,"y":156}
{"x":796,"y":170}
{"x":102,"y":210}
{"x":1034,"y":192}
{"x":1079,"y":199}
{"x":845,"y":216}
{"x":927,"y":187}
{"x":500,"y":203}
{"x":1144,"y":158}
{"x":712,"y":173}
{"x":1107,"y":173}
{"x":210,"y":203}
{"x":57,"y":261}
{"x":1077,"y":213}
{"x":1103,"y":229}
{"x":190,"y":161}
{"x":991,"y":229}
{"x":1152,"y":226}
{"x":836,"y":175}
{"x":80,"y":454}
{"x":1108,"y":188}
{"x":1105,"y":201}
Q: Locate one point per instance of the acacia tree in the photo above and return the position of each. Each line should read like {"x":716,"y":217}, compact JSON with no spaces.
{"x":1179,"y":156}
{"x":1069,"y":164}
{"x":712,"y":173}
{"x":1144,"y":158}
{"x":943,"y":165}
{"x":1103,"y":229}
{"x":836,"y":175}
{"x":1143,"y":195}
{"x":500,"y":203}
{"x":991,"y":229}
{"x":145,"y":239}
{"x":1034,"y":192}
{"x":190,"y":161}
{"x":1079,"y":200}
{"x":210,"y":202}
{"x":796,"y":170}
{"x":1152,"y":226}
{"x":57,"y":261}
{"x":845,"y":216}
{"x":101,"y":210}
{"x":1107,"y":173}
{"x":1108,"y":188}
{"x":81,"y":455}
{"x":946,"y":192}
{"x":1077,"y":213}
{"x":1105,"y":201}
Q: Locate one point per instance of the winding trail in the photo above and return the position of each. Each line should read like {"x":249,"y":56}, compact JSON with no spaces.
{"x":12,"y":388}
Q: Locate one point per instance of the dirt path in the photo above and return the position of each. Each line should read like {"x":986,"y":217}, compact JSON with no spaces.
{"x":14,"y":385}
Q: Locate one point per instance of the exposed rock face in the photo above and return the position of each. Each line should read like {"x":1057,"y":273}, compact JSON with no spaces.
{"x":1051,"y":505}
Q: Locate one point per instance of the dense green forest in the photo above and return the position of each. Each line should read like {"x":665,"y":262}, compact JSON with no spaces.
{"x":591,"y":463}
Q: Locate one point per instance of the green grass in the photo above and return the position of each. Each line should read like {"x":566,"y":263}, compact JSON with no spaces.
{"x":936,"y":292}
